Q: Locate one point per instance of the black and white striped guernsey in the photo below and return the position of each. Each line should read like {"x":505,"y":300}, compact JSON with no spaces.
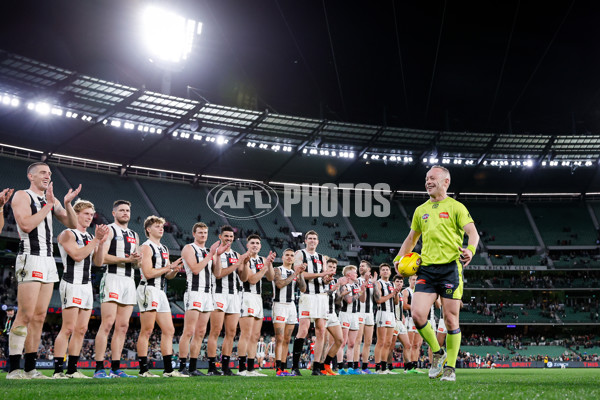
{"x":77,"y":272}
{"x":201,"y":282}
{"x":228,"y":284}
{"x":256,"y":265}
{"x":285,"y":294}
{"x":368,"y":305}
{"x":160,"y":259}
{"x":386,"y":288}
{"x":314,"y":265}
{"x":409,"y":301}
{"x":331,"y":296}
{"x":37,"y":242}
{"x":354,"y":289}
{"x":123,"y":243}
{"x":399,"y":309}
{"x":261,"y":347}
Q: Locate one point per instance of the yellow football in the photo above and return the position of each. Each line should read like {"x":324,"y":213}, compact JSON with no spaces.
{"x":409,"y":264}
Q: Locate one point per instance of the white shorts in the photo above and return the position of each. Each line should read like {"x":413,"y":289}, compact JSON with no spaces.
{"x":400,"y":329}
{"x":442,"y":326}
{"x":119,"y":289}
{"x":313,"y":306}
{"x":349,"y":320}
{"x":30,"y":268}
{"x":332,"y":320}
{"x":150,"y":298}
{"x":366,"y":319}
{"x":81,"y":296}
{"x":252,"y":305}
{"x":410,"y":325}
{"x":285,"y":313}
{"x":198,"y":301}
{"x":385,"y":319}
{"x":260,"y":355}
{"x":228,"y":303}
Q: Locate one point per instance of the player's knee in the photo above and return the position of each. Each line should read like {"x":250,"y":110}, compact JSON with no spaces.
{"x":19,"y":331}
{"x":81,"y":330}
{"x":68,"y":330}
{"x":168,"y":332}
{"x":39,"y":318}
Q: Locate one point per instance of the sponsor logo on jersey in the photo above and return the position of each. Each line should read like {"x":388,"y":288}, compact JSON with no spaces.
{"x":370,"y":286}
{"x":356,"y":290}
{"x":154,"y":304}
{"x":113,"y":295}
{"x":76,"y":300}
{"x":232,"y":260}
{"x":305,"y":313}
{"x":388,"y":322}
{"x":220,"y":305}
{"x":259,"y":266}
{"x":444,"y":215}
{"x":197,"y":304}
{"x":37,"y":274}
{"x":280,"y":318}
{"x":131,"y":239}
{"x":165,"y":255}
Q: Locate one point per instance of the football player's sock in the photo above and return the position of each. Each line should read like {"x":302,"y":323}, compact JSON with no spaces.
{"x":426,"y":331}
{"x":453,"y":345}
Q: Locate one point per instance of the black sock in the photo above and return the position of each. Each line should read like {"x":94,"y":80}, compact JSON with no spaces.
{"x":413,"y":365}
{"x":251,"y":364}
{"x":167,"y":362}
{"x":211,"y":363}
{"x":365,"y":365}
{"x":328,"y":360}
{"x":355,"y":365}
{"x":316,"y":366}
{"x":342,"y":365}
{"x":193,"y":364}
{"x":390,"y":366}
{"x":115,"y":365}
{"x":383,"y":365}
{"x":99,"y":365}
{"x":15,"y":362}
{"x":30,"y":361}
{"x":143,"y":364}
{"x":72,"y":364}
{"x":58,"y":365}
{"x":278,"y":364}
{"x":297,"y":352}
{"x":225,"y":362}
{"x":182,"y":364}
{"x":335,"y":363}
{"x":242,"y":363}
{"x":377,"y":366}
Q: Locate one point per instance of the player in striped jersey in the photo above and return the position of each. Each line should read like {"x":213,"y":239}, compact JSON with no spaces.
{"x":227,"y":303}
{"x":285,"y":315}
{"x":4,"y":197}
{"x":386,"y":299}
{"x":198,"y":263}
{"x":271,"y":351}
{"x":335,"y":336}
{"x":78,"y":249}
{"x":261,"y":348}
{"x":152,"y":298}
{"x":351,"y":293}
{"x":35,"y":268}
{"x":255,"y":268}
{"x":441,"y":327}
{"x":412,"y":354}
{"x":313,"y":302}
{"x":117,"y":290}
{"x":400,"y":331}
{"x":366,"y":319}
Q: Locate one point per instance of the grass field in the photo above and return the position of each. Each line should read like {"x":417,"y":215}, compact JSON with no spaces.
{"x":470,"y":384}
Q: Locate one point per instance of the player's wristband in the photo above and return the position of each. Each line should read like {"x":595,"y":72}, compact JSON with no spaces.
{"x":472,"y":248}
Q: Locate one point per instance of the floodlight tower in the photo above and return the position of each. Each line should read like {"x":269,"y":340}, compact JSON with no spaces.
{"x":169,"y":38}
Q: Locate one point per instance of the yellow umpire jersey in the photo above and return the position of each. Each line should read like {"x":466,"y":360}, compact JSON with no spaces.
{"x":441,"y":226}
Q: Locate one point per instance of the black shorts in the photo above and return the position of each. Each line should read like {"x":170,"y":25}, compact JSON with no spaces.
{"x":443,"y":279}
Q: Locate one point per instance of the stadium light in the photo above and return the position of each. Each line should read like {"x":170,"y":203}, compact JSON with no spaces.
{"x":169,"y":37}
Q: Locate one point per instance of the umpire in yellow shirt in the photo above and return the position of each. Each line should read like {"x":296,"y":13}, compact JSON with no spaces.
{"x":443,"y":222}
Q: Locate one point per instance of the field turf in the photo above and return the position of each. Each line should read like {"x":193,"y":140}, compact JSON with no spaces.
{"x":471,"y":384}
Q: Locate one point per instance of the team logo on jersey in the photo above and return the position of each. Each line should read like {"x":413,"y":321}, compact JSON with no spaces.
{"x":305,"y":313}
{"x":37,"y":274}
{"x":232,"y":199}
{"x":444,"y":215}
{"x":197,"y":304}
{"x":425,"y":216}
{"x":280,"y":318}
{"x":80,"y":242}
{"x":154,"y":304}
{"x":113,"y":295}
{"x":76,"y":300}
{"x":130,"y":239}
{"x":220,"y":305}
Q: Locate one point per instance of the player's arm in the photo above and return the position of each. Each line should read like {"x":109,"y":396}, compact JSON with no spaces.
{"x":189,"y":256}
{"x":68,"y":241}
{"x":377,"y":293}
{"x":408,"y":245}
{"x":299,"y":260}
{"x":102,"y":236}
{"x":280,"y":283}
{"x":300,"y":282}
{"x":147,"y":269}
{"x":405,"y":305}
{"x":270,"y":274}
{"x":347,"y":295}
{"x":4,"y":197}
{"x":362,"y":295}
{"x":174,"y":267}
{"x":22,"y":212}
{"x":383,"y":299}
{"x":396,"y":296}
{"x":469,"y":252}
{"x":66,"y":215}
{"x":254,"y":278}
